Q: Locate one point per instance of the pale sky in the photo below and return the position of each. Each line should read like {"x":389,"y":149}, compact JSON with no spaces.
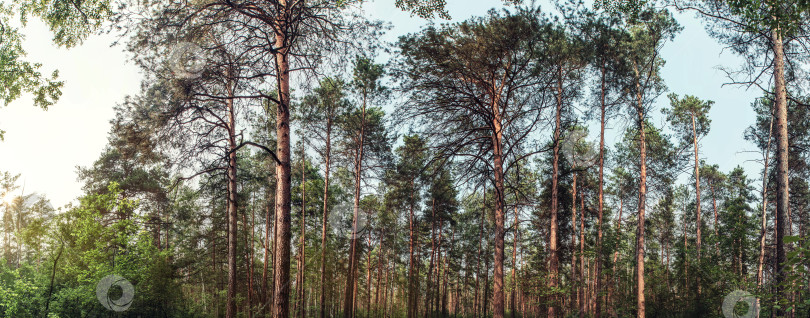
{"x":45,"y":147}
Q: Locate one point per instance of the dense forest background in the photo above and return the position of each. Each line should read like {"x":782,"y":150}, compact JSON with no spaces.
{"x":258,"y":174}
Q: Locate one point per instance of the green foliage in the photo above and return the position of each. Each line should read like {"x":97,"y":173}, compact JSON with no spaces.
{"x":786,"y":17}
{"x":21,"y":290}
{"x":442,"y":194}
{"x":17,"y":75}
{"x":425,"y":9}
{"x":689,"y":116}
{"x":69,"y":21}
{"x":469,"y":87}
{"x":408,"y":173}
{"x":428,"y":9}
{"x":631,"y":8}
{"x":101,"y":236}
{"x":662,"y":160}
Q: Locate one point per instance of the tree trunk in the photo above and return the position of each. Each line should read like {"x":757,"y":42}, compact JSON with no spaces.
{"x":553,"y":263}
{"x":476,"y":306}
{"x":232,"y":212}
{"x":714,"y":204}
{"x":429,"y":281}
{"x":250,"y":256}
{"x":438,"y":294}
{"x":385,"y":290}
{"x":53,"y":275}
{"x":368,"y":275}
{"x":302,"y":253}
{"x":380,"y":258}
{"x":447,"y":275}
{"x":498,"y":157}
{"x":697,"y":188}
{"x":598,"y":311}
{"x":669,"y":283}
{"x":642,"y":199}
{"x":612,"y":289}
{"x":697,"y":197}
{"x":416,"y":287}
{"x":348,"y":306}
{"x":576,"y":278}
{"x":764,"y":228}
{"x":686,"y":255}
{"x":274,"y":261}
{"x":582,"y":298}
{"x":411,"y":260}
{"x":328,"y":155}
{"x":282,"y":261}
{"x":267,"y":220}
{"x":354,"y":296}
{"x":782,"y":187}
{"x":516,"y":223}
{"x":485,"y":300}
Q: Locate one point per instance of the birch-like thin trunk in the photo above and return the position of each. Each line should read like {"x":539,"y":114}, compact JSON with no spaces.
{"x":411,"y":260}
{"x":302,"y":245}
{"x":697,"y":196}
{"x":328,"y":157}
{"x":477,"y":308}
{"x":764,"y":228}
{"x":582,"y":298}
{"x":516,"y":224}
{"x":576,"y":278}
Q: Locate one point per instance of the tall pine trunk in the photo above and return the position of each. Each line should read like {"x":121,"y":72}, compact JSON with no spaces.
{"x":268,"y":219}
{"x":368,"y":275}
{"x":697,"y":198}
{"x":576,"y":278}
{"x":477,"y":307}
{"x":429,"y":281}
{"x":764,"y":228}
{"x":582,"y":298}
{"x":714,"y":204}
{"x":412,"y":275}
{"x":438,"y":294}
{"x":612,"y":290}
{"x":302,"y":245}
{"x":411,"y":260}
{"x":782,"y":187}
{"x":250,"y":258}
{"x":642,"y":200}
{"x":553,"y":262}
{"x":498,"y":157}
{"x":349,"y":297}
{"x":232,"y":213}
{"x":281,"y":306}
{"x":328,"y":157}
{"x":516,"y":223}
{"x":598,"y":310}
